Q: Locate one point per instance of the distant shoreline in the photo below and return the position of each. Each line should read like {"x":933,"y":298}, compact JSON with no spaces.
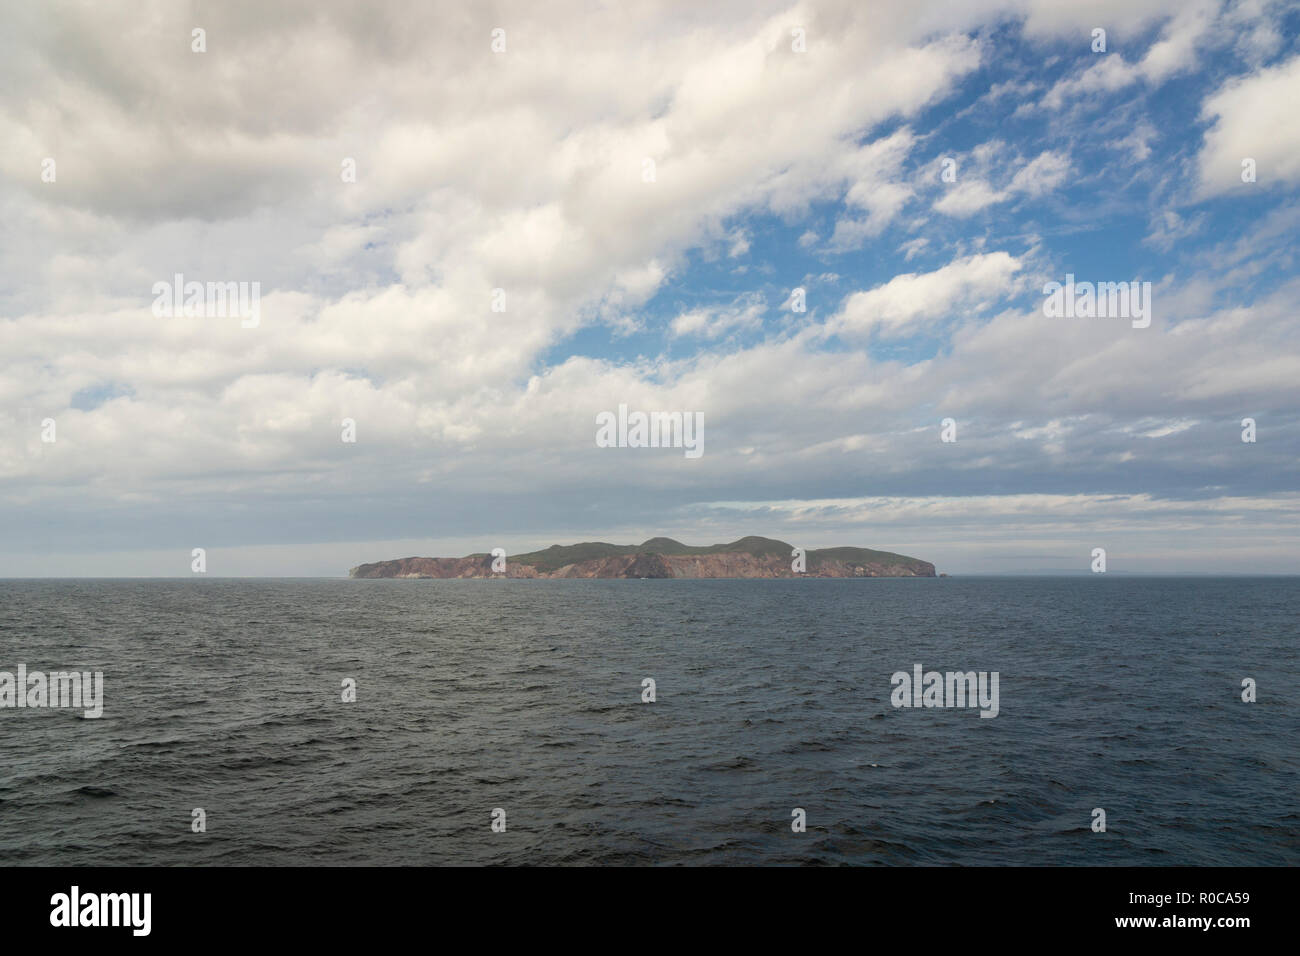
{"x":957,"y":576}
{"x":749,"y":557}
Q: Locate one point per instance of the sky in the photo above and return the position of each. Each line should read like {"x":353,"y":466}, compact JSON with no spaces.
{"x":823,"y":227}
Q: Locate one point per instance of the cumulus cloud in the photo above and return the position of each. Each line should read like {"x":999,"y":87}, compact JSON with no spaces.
{"x":1252,"y":118}
{"x":900,"y":304}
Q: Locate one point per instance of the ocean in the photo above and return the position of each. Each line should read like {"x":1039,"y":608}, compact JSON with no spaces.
{"x":522,"y":701}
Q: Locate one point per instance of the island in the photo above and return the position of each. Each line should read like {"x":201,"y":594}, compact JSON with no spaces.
{"x":751,"y":557}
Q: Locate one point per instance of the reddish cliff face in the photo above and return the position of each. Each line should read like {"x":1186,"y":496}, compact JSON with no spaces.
{"x":643,"y":565}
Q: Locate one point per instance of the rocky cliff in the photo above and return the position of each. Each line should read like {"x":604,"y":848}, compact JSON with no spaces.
{"x":661,"y":558}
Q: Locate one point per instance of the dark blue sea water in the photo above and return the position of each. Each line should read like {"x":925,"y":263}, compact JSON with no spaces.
{"x":225,"y":695}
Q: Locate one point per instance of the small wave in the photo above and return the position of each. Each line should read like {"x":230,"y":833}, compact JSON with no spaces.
{"x":97,"y":792}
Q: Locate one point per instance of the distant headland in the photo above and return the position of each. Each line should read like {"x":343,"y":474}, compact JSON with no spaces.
{"x":751,"y":557}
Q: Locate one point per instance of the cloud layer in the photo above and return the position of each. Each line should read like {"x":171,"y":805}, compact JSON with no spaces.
{"x":470,"y":252}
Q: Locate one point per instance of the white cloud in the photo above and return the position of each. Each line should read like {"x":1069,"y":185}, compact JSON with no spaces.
{"x":972,"y":193}
{"x":712,"y":323}
{"x":1253,"y":117}
{"x":968,"y":196}
{"x":1041,"y":175}
{"x":903,"y":302}
{"x":1173,"y":52}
